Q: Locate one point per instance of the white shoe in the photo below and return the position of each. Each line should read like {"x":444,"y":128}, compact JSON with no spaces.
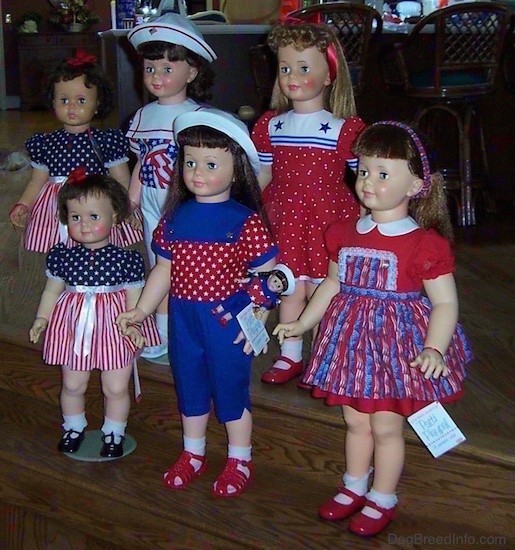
{"x":151,"y":352}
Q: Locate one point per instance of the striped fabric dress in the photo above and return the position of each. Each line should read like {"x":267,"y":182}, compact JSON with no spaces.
{"x":58,"y":153}
{"x":376,"y":325}
{"x":81,"y":332}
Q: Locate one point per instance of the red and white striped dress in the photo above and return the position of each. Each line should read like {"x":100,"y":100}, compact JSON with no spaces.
{"x":81,"y":332}
{"x":376,"y":325}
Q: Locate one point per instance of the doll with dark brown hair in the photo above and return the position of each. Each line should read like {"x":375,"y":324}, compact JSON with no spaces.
{"x":384,"y":350}
{"x":80,"y":92}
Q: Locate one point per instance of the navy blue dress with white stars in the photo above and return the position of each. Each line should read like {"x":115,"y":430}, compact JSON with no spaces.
{"x":81,"y":332}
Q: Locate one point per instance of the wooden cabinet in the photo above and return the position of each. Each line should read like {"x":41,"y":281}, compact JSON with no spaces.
{"x":39,"y":53}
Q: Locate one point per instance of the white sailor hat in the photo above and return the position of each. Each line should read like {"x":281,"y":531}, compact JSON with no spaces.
{"x":290,"y":278}
{"x":174,"y":29}
{"x":223,"y":122}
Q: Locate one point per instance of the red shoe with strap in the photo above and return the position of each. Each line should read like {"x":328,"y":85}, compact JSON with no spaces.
{"x":280,"y":376}
{"x":333,"y":510}
{"x":236,"y":474}
{"x":365,"y":526}
{"x":184,"y":470}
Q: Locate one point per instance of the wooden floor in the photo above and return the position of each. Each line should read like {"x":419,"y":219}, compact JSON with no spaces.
{"x":50,"y":501}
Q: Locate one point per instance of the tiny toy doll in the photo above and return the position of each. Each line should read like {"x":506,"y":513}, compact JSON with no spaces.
{"x":263,"y":289}
{"x":384,"y":351}
{"x":88,"y":285}
{"x":177,"y":72}
{"x":304,"y":147}
{"x":213,"y":231}
{"x":80,"y":92}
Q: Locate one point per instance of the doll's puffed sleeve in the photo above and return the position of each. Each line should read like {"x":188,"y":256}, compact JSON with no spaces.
{"x":334,"y":238}
{"x":134,"y":266}
{"x":114,"y":146}
{"x":261,"y":138}
{"x":432,"y":257}
{"x":162,"y":239}
{"x":37,"y":148}
{"x":56,"y":260}
{"x":257,"y":242}
{"x":350,"y":131}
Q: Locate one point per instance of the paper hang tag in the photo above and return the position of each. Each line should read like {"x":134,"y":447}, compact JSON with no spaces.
{"x":253,"y":328}
{"x":436,"y":429}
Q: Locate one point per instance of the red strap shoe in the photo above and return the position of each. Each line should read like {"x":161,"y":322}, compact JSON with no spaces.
{"x":365,"y":526}
{"x":332,"y":510}
{"x":184,"y":470}
{"x":234,"y":478}
{"x":280,"y":376}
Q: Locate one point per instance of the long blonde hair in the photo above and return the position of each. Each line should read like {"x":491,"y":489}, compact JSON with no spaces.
{"x":339,"y":95}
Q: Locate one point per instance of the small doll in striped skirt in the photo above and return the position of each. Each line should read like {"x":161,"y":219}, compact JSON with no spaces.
{"x":87,"y":287}
{"x":384,"y":350}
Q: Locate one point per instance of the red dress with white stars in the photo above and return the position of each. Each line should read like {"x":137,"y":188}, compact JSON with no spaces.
{"x":308,"y":154}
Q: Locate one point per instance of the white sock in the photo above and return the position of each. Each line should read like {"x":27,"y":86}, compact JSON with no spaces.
{"x":241,"y":453}
{"x":114,"y":427}
{"x":75,"y":422}
{"x":291,"y":349}
{"x":162,"y":327}
{"x":384,"y":500}
{"x":358,"y":485}
{"x":196,"y":446}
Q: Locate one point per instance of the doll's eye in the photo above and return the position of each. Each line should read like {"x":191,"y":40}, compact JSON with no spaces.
{"x":284,"y":70}
{"x":82,"y":101}
{"x":63,"y":101}
{"x":149,"y":70}
{"x":304,"y":69}
{"x":362,"y":173}
{"x":74,"y":217}
{"x":383,"y":176}
{"x":189,"y":164}
{"x":212,"y":165}
{"x":95,"y":217}
{"x":168,"y":70}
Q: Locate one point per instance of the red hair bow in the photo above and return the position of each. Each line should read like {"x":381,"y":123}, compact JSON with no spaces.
{"x":82,"y":58}
{"x":306,"y":19}
{"x":77,"y":175}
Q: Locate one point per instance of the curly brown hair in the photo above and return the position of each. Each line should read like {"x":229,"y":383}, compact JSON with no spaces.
{"x":339,"y":95}
{"x":391,"y":142}
{"x":96,"y":185}
{"x":93,"y":77}
{"x":199,"y":88}
{"x":245,"y":187}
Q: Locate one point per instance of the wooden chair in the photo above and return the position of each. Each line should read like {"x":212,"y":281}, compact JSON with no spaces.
{"x":457,"y":65}
{"x":355,"y":25}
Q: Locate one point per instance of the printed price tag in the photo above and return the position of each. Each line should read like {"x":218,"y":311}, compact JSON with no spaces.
{"x":436,"y":429}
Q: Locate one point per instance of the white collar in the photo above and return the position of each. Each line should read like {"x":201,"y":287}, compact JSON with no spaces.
{"x":389,"y":229}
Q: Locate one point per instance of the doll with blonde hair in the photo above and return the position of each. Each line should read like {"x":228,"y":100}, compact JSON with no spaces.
{"x":304,"y":146}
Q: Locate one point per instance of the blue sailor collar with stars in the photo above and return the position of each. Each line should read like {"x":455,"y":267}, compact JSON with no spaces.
{"x":389,"y":229}
{"x":320,"y":130}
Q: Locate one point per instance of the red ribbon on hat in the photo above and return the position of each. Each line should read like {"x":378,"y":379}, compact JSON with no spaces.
{"x":77,"y":175}
{"x":81,"y":58}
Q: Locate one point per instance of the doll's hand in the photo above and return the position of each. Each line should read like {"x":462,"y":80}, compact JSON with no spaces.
{"x":288,"y":330}
{"x":128,"y":318}
{"x":19,"y":215}
{"x":431,"y":363}
{"x":38,"y":327}
{"x":247,"y":348}
{"x":135,"y":336}
{"x":135,"y":220}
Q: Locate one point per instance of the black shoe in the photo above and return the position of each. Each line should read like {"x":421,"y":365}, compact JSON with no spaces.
{"x":110,"y":449}
{"x":69,"y":444}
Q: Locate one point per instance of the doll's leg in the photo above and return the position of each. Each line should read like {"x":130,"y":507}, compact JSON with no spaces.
{"x":74,"y":385}
{"x":289,"y":364}
{"x":115,"y":386}
{"x":388,"y":432}
{"x":192,"y":461}
{"x":239,"y":468}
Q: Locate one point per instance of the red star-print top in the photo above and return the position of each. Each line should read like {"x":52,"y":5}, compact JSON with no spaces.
{"x":212,"y":246}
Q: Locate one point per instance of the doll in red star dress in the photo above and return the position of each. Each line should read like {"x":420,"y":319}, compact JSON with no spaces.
{"x":88,"y":285}
{"x":80,"y":92}
{"x":304,"y":147}
{"x":383,"y":350}
{"x":213,"y":231}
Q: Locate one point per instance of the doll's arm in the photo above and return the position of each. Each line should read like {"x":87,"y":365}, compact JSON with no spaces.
{"x":315,"y":309}
{"x":442,"y":322}
{"x":121,"y":174}
{"x":265,"y":175}
{"x":20,"y":212}
{"x":134,"y":334}
{"x":53,"y":290}
{"x":155,"y":290}
{"x":135,"y":186}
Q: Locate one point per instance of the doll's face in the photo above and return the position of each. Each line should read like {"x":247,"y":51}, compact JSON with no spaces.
{"x":385,"y":186}
{"x":167,"y":80}
{"x":75,"y":104}
{"x":303,"y":75}
{"x":275,"y":284}
{"x":208,"y":173}
{"x":90,"y":220}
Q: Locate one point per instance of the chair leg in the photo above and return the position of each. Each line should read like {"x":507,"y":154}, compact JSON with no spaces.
{"x":467,"y":214}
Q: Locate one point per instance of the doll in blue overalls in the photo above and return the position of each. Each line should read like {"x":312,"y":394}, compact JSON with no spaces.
{"x":212,"y":233}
